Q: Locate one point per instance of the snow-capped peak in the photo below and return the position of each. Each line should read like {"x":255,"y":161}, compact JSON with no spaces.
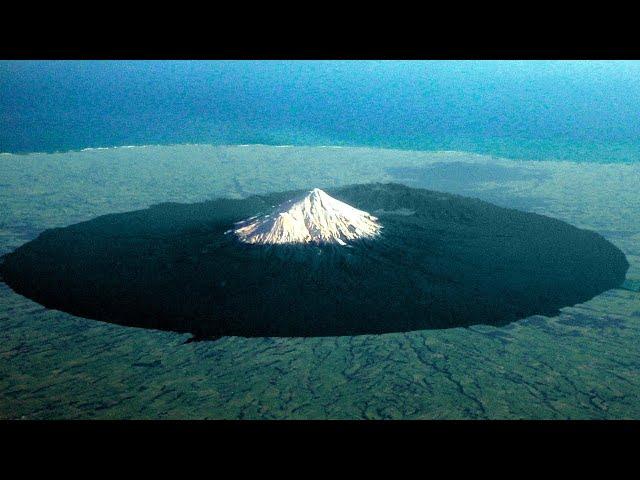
{"x":314,"y":218}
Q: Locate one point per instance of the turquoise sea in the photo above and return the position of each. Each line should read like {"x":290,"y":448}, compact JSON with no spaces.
{"x":584,"y":111}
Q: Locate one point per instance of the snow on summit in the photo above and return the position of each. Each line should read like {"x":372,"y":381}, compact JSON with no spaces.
{"x":314,"y":218}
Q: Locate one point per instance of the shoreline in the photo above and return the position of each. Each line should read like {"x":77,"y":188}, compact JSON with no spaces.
{"x":337,"y":147}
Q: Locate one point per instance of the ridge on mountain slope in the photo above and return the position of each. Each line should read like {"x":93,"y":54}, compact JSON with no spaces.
{"x":315,"y":218}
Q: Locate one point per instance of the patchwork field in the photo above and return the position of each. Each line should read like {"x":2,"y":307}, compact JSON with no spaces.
{"x":584,"y":363}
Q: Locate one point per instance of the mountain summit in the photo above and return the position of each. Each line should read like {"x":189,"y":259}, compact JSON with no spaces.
{"x":314,"y":218}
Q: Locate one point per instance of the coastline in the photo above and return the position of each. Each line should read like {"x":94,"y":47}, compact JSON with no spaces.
{"x":325,"y":146}
{"x":312,"y":146}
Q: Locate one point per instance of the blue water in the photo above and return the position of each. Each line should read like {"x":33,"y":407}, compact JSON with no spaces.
{"x":581,"y":111}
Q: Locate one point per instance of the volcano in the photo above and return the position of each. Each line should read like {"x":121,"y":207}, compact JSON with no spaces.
{"x":314,"y":218}
{"x":315,"y":263}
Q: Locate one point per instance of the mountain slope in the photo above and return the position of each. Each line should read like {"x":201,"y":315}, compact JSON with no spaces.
{"x":441,"y":261}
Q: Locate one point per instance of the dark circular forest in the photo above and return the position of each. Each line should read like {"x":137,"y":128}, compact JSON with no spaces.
{"x":441,"y":261}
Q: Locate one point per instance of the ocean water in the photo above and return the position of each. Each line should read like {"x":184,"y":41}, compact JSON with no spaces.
{"x":583,"y":111}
